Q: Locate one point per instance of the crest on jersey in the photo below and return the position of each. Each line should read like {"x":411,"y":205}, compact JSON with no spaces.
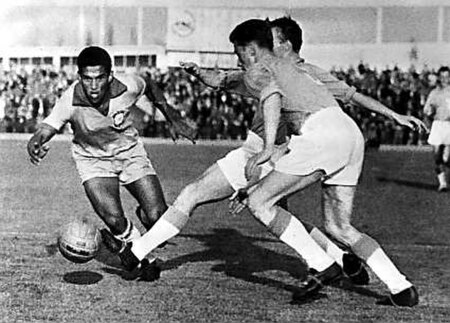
{"x":119,"y":118}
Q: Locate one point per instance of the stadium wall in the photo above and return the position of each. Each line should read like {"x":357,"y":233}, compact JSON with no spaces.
{"x":336,"y":33}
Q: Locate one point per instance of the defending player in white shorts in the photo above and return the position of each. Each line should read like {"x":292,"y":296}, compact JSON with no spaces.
{"x":324,"y":140}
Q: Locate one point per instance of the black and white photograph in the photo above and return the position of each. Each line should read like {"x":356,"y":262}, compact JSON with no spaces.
{"x":225,"y":161}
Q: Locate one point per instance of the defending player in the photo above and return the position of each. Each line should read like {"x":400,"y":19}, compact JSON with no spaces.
{"x":106,"y":147}
{"x":327,"y":140}
{"x":437,"y":110}
{"x":287,"y":36}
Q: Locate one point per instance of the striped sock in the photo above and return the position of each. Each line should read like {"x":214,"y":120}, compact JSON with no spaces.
{"x":326,"y":244}
{"x":292,"y":232}
{"x":168,"y":226}
{"x":370,"y":251}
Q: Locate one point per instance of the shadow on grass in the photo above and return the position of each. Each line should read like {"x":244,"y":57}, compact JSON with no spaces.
{"x":84,"y":277}
{"x":241,"y":258}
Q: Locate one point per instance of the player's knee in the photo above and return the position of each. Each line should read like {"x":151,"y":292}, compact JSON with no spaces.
{"x":343,"y":232}
{"x":261,"y":209}
{"x":438,"y":160}
{"x":190,"y":197}
{"x":150,"y":215}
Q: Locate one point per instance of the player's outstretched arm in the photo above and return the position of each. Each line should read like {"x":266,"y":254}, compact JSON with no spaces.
{"x":179,"y":126}
{"x":212,"y":78}
{"x":229,"y":81}
{"x":375,"y":106}
{"x":37,"y":145}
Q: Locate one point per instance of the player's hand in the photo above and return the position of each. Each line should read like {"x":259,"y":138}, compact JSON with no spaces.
{"x":37,"y":151}
{"x":411,"y":122}
{"x":179,"y":126}
{"x":190,"y":68}
{"x":238,"y":201}
{"x":185,"y":128}
{"x":252,"y":168}
{"x":280,"y":151}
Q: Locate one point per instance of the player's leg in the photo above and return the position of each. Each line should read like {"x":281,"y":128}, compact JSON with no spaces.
{"x":262,"y":204}
{"x":104,"y":195}
{"x":440,"y":168}
{"x":446,"y":162}
{"x":210,"y":186}
{"x":149,"y":194}
{"x":352,"y":266}
{"x":337,"y":206}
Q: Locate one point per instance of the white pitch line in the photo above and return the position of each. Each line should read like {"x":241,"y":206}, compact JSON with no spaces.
{"x":146,"y":140}
{"x":202,"y":142}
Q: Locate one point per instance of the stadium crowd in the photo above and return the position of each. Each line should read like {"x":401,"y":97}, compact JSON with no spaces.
{"x":27,"y":96}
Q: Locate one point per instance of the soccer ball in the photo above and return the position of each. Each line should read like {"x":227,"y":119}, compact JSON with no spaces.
{"x":79,"y":241}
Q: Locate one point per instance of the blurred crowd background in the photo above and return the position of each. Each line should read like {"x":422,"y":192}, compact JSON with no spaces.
{"x":28,"y":95}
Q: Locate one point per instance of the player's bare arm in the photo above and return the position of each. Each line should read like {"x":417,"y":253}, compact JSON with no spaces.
{"x":229,"y":81}
{"x":272,"y":110}
{"x":179,"y":126}
{"x":271,"y":107}
{"x":375,"y":106}
{"x":211,"y":78}
{"x":37,"y":148}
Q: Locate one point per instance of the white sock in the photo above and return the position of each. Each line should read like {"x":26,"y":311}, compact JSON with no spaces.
{"x":159,"y":233}
{"x":168,"y":226}
{"x":326,"y":244}
{"x":296,"y":236}
{"x":370,"y":251}
{"x":383,"y":267}
{"x":442,"y":178}
{"x":131,"y":233}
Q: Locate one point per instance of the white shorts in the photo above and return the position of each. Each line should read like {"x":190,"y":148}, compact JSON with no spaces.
{"x":233,"y":164}
{"x":128,"y":166}
{"x":330,"y":141}
{"x":439,"y":133}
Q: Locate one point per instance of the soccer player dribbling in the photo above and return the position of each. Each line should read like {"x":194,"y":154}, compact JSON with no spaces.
{"x":106,"y":147}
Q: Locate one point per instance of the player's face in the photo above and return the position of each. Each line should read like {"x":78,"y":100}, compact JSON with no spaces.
{"x":245,"y":56}
{"x":444,"y":77}
{"x":95,"y":81}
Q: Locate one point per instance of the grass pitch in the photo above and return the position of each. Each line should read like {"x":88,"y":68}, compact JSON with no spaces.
{"x":220,"y":268}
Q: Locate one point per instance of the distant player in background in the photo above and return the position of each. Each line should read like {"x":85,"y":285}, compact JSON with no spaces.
{"x":106,"y":147}
{"x":437,"y":110}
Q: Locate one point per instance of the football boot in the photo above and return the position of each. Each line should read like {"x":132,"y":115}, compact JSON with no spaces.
{"x":406,"y":298}
{"x":354,"y":269}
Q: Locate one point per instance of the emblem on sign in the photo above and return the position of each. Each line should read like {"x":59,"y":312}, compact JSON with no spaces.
{"x":184,"y":23}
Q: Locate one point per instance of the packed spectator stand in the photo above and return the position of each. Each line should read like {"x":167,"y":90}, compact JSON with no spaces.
{"x":28,"y":95}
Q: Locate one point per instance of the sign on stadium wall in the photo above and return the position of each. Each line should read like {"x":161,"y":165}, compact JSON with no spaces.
{"x":207,"y":29}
